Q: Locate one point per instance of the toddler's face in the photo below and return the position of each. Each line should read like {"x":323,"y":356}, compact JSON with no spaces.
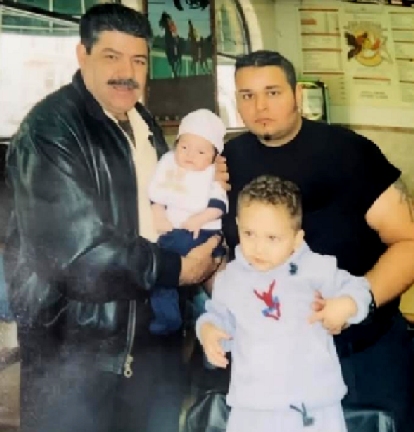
{"x":267,"y":234}
{"x":194,"y":152}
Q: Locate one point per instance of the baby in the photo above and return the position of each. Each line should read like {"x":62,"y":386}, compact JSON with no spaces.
{"x":187,"y":202}
{"x":285,"y":373}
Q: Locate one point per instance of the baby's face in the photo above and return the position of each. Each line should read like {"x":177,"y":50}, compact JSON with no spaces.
{"x":267,"y":234}
{"x":194,"y":152}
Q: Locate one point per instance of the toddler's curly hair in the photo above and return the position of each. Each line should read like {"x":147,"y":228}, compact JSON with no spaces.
{"x":274,"y":191}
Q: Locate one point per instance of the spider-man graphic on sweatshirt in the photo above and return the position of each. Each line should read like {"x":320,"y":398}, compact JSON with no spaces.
{"x":272,"y":302}
{"x":278,"y":358}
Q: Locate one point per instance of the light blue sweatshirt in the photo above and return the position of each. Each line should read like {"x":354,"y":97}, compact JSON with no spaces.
{"x":278,"y":358}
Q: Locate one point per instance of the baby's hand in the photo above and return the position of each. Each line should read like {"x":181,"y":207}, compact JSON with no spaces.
{"x":210,"y":337}
{"x":193,"y":224}
{"x":162,"y":225}
{"x":334,"y":313}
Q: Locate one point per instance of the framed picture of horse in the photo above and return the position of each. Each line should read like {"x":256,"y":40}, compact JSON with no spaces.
{"x":182,"y":72}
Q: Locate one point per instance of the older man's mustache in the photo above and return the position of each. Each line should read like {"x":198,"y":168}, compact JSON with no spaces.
{"x":129,"y":83}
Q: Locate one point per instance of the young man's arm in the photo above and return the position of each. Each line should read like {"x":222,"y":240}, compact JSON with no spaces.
{"x":392,"y":216}
{"x":346,"y":298}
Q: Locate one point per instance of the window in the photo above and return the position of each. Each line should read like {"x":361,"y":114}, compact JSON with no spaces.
{"x":68,"y":7}
{"x":38,"y":56}
{"x":46,"y":52}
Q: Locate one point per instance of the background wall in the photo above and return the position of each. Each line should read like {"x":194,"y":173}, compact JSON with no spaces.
{"x":364,"y":52}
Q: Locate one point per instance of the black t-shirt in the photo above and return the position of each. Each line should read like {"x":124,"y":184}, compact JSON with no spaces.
{"x":340,"y":174}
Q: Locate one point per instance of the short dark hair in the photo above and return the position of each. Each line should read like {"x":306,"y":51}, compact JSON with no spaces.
{"x":262,"y":58}
{"x":274,"y":191}
{"x":112,"y":17}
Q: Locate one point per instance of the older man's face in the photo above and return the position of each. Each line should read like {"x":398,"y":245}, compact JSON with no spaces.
{"x":115,"y":71}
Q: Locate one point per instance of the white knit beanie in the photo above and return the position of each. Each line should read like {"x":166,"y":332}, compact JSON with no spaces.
{"x":206,"y":124}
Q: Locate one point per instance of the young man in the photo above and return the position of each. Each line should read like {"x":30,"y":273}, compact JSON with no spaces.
{"x":79,"y":257}
{"x":356,"y":208}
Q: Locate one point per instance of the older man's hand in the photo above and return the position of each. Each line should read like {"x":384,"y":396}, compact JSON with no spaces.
{"x":199,"y":264}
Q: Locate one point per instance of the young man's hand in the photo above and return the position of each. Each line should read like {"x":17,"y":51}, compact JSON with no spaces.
{"x":334,"y":313}
{"x":210,"y":337}
{"x":198,"y":265}
{"x":222,"y":175}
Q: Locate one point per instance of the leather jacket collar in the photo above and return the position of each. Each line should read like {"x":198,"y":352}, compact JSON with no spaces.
{"x":95,"y":109}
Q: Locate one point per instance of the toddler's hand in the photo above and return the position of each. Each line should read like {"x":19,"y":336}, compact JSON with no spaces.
{"x":334,"y":313}
{"x":210,"y":337}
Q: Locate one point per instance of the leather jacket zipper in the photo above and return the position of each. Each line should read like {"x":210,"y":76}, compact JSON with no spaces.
{"x":133,"y":303}
{"x":130,"y":338}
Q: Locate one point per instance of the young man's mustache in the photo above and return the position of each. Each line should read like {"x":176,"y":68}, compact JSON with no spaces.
{"x":129,"y":83}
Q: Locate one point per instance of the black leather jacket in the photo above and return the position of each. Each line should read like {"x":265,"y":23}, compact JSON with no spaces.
{"x":77,"y":271}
